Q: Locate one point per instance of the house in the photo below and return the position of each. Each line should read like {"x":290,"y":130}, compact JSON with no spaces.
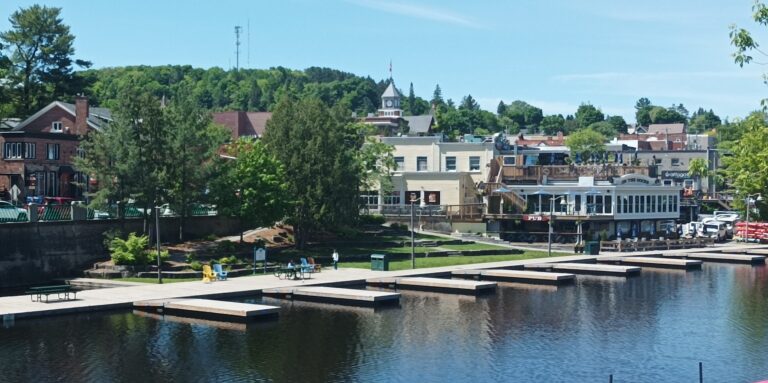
{"x":243,"y":124}
{"x":38,"y":152}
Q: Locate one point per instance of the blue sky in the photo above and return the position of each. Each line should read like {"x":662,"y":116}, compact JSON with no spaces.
{"x":553,"y":54}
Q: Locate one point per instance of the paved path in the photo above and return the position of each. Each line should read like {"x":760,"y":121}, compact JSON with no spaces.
{"x":17,"y":307}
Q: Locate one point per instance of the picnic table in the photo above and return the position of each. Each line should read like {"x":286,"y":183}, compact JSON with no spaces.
{"x":296,"y":272}
{"x":61,"y":291}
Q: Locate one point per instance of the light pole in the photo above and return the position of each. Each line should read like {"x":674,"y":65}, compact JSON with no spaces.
{"x":413,"y":230}
{"x":157,"y":239}
{"x":748,"y":201}
{"x":563,"y":196}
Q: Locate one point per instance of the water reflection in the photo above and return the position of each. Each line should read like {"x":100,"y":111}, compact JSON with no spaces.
{"x":651,"y":328}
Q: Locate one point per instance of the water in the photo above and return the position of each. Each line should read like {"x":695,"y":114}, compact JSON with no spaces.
{"x":653,"y":328}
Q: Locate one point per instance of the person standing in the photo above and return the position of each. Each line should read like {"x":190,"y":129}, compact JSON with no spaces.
{"x":335,"y":259}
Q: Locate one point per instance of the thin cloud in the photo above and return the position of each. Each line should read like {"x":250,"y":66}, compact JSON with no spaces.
{"x":419,"y":12}
{"x":613,"y":76}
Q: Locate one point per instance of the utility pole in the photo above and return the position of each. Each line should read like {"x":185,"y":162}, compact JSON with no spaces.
{"x":237,"y":47}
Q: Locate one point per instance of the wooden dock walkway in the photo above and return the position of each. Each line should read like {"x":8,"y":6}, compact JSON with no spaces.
{"x":353,"y":297}
{"x":209,"y":308}
{"x":723,"y":257}
{"x":671,"y":263}
{"x":521,"y":276}
{"x":587,"y":268}
{"x":457,"y":286}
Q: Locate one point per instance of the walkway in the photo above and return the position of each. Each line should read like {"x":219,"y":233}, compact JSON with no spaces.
{"x":17,"y":307}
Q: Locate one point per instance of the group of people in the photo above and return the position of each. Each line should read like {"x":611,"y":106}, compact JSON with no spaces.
{"x":334,"y":256}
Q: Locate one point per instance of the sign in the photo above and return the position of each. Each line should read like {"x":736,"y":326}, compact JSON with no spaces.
{"x":259,"y":255}
{"x":675,"y":175}
{"x":534,"y":217}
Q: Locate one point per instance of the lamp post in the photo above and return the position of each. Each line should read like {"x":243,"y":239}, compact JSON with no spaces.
{"x":748,"y":201}
{"x":157,"y":239}
{"x":413,"y":229}
{"x":551,"y":215}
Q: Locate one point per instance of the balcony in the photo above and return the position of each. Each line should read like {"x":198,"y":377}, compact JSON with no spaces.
{"x":536,"y":173}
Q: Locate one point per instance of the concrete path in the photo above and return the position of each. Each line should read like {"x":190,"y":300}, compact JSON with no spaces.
{"x":17,"y":307}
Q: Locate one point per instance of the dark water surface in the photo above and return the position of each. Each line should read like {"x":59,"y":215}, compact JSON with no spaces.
{"x":653,"y":328}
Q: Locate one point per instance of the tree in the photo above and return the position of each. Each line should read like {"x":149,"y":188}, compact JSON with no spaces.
{"x":743,"y":41}
{"x":437,"y":96}
{"x":702,"y":121}
{"x":643,"y":111}
{"x":40,"y":47}
{"x":661,"y":115}
{"x":322,"y":171}
{"x":747,"y":168}
{"x":412,"y":101}
{"x":698,"y":168}
{"x":587,"y":115}
{"x":250,"y":185}
{"x":618,"y":123}
{"x":501,"y":108}
{"x":605,"y":128}
{"x":585,"y":143}
{"x":469,"y":103}
{"x":552,"y":124}
{"x":193,"y":143}
{"x":524,"y":114}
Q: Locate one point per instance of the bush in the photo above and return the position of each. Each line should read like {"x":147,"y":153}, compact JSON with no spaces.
{"x":152,"y":256}
{"x":190,"y":257}
{"x":229,"y":260}
{"x":131,"y":251}
{"x":226,"y":247}
{"x":372,"y":219}
{"x":210,"y":237}
{"x":196,"y":265}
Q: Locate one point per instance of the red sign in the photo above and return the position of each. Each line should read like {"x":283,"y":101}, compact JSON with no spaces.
{"x":533,"y":217}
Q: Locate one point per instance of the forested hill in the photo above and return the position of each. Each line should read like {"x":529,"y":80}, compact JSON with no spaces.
{"x":247,"y":89}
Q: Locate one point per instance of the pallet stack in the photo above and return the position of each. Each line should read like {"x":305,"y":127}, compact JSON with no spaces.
{"x":754,"y":231}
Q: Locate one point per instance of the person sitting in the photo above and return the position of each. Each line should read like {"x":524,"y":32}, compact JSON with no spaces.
{"x":290,"y":264}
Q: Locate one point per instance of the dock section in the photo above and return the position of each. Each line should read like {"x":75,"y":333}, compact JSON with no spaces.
{"x":352,"y":297}
{"x":722,"y":257}
{"x":667,"y":263}
{"x":209,"y":308}
{"x":455,"y":286}
{"x":587,"y":268}
{"x":521,"y":276}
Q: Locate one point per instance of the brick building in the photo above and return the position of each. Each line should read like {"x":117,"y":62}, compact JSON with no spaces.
{"x":38,"y":152}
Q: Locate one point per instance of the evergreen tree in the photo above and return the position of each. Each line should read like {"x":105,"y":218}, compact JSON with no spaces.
{"x":437,"y":96}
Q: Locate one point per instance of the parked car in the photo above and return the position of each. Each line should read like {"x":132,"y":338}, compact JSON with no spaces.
{"x":715,"y":229}
{"x":11,"y":213}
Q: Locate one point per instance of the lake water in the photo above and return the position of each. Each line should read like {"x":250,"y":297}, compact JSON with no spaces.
{"x":653,"y":328}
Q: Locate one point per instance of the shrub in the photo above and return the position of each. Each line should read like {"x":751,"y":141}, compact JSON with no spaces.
{"x":229,"y":260}
{"x":372,"y":219}
{"x":226,"y":246}
{"x":152,"y":256}
{"x":131,"y":251}
{"x":196,"y":265}
{"x":210,"y":237}
{"x":190,"y":257}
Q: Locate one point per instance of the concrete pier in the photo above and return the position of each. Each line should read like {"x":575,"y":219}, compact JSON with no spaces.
{"x":671,"y":263}
{"x":521,"y":276}
{"x":353,"y":297}
{"x":722,"y":257}
{"x":588,"y":268}
{"x":209,"y":308}
{"x":435,"y":284}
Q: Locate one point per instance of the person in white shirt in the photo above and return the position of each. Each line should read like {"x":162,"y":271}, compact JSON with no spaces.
{"x":335,"y":259}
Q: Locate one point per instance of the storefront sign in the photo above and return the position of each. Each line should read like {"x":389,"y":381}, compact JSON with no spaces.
{"x":534,"y":217}
{"x":675,"y":175}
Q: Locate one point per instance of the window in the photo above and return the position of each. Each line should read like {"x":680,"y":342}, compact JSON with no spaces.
{"x":608,"y":206}
{"x":392,"y":198}
{"x":399,"y":163}
{"x":657,"y":161}
{"x":368,"y":198}
{"x":56,"y":127}
{"x":53,"y":151}
{"x":450,"y":164}
{"x":474,"y":162}
{"x":12,"y":150}
{"x":29,"y":150}
{"x":80,"y":153}
{"x":675,"y":162}
{"x":52,"y":184}
{"x":421,"y":164}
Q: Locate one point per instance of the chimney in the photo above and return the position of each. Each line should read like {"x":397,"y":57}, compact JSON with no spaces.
{"x":81,"y":115}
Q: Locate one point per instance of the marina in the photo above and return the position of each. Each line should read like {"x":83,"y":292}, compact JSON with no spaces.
{"x":210,"y":308}
{"x":587,"y":268}
{"x":353,"y":297}
{"x":723,"y":257}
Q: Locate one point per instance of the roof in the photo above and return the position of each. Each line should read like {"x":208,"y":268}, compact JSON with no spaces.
{"x":96,"y":116}
{"x":243,"y":123}
{"x":9,"y":123}
{"x":666,"y":128}
{"x":391,"y":91}
{"x":419,"y":124}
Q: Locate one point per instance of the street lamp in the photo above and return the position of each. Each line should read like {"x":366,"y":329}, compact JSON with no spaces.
{"x":157,"y":239}
{"x":413,"y":228}
{"x":748,"y":201}
{"x":551,"y":215}
{"x":502,"y":190}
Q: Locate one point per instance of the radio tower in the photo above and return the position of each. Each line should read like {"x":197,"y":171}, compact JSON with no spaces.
{"x":237,"y":47}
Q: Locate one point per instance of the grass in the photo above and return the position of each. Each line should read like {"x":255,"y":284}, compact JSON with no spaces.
{"x":154,"y":280}
{"x":449,"y":261}
{"x":472,"y":246}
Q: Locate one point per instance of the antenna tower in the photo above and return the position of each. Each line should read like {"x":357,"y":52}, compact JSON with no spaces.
{"x":237,"y":47}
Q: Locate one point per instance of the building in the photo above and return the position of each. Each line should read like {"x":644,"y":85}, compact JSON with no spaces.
{"x":243,"y":124}
{"x":390,"y":119}
{"x":38,"y":152}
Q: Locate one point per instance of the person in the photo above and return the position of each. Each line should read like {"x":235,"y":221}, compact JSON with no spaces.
{"x":5,"y":195}
{"x":335,"y":259}
{"x":290,"y":264}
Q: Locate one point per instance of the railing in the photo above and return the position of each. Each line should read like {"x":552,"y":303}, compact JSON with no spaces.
{"x":79,"y":211}
{"x":457,"y":212}
{"x":568,"y":172}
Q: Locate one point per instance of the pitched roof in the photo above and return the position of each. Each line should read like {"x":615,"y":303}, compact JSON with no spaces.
{"x":666,"y":128}
{"x":391,"y":91}
{"x":96,"y":116}
{"x":419,"y":124}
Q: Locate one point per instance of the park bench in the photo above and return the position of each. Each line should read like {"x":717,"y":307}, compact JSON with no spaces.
{"x":60,"y":290}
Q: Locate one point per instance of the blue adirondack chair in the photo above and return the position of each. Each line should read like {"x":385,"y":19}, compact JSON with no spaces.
{"x":219,"y":271}
{"x":306,"y":267}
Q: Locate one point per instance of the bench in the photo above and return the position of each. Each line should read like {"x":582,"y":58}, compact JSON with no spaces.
{"x":38,"y":292}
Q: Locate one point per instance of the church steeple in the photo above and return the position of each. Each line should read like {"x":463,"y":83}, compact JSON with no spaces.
{"x":390,"y":101}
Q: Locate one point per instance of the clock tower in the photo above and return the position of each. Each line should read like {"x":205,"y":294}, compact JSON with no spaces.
{"x":390,"y":102}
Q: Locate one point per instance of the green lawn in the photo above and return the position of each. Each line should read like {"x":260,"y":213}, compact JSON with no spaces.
{"x":154,"y":280}
{"x":449,"y":261}
{"x":473,"y":246}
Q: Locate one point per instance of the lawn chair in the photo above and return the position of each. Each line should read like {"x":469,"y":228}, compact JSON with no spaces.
{"x":318,"y":267}
{"x":208,"y":274}
{"x":219,"y":271}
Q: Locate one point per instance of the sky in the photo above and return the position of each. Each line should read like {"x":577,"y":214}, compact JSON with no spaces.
{"x":554,"y":54}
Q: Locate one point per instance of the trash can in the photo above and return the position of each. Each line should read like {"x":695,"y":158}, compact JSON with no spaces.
{"x":379,"y":262}
{"x":592,"y":248}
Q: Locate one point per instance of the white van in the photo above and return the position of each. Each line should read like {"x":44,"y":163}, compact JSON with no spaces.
{"x":715,"y":229}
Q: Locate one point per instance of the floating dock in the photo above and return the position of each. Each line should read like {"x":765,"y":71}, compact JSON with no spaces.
{"x":722,"y":257}
{"x":587,"y":268}
{"x":352,"y":297}
{"x":521,"y":276}
{"x":669,"y":263}
{"x":455,"y":286}
{"x":224,"y":325}
{"x":210,"y":308}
